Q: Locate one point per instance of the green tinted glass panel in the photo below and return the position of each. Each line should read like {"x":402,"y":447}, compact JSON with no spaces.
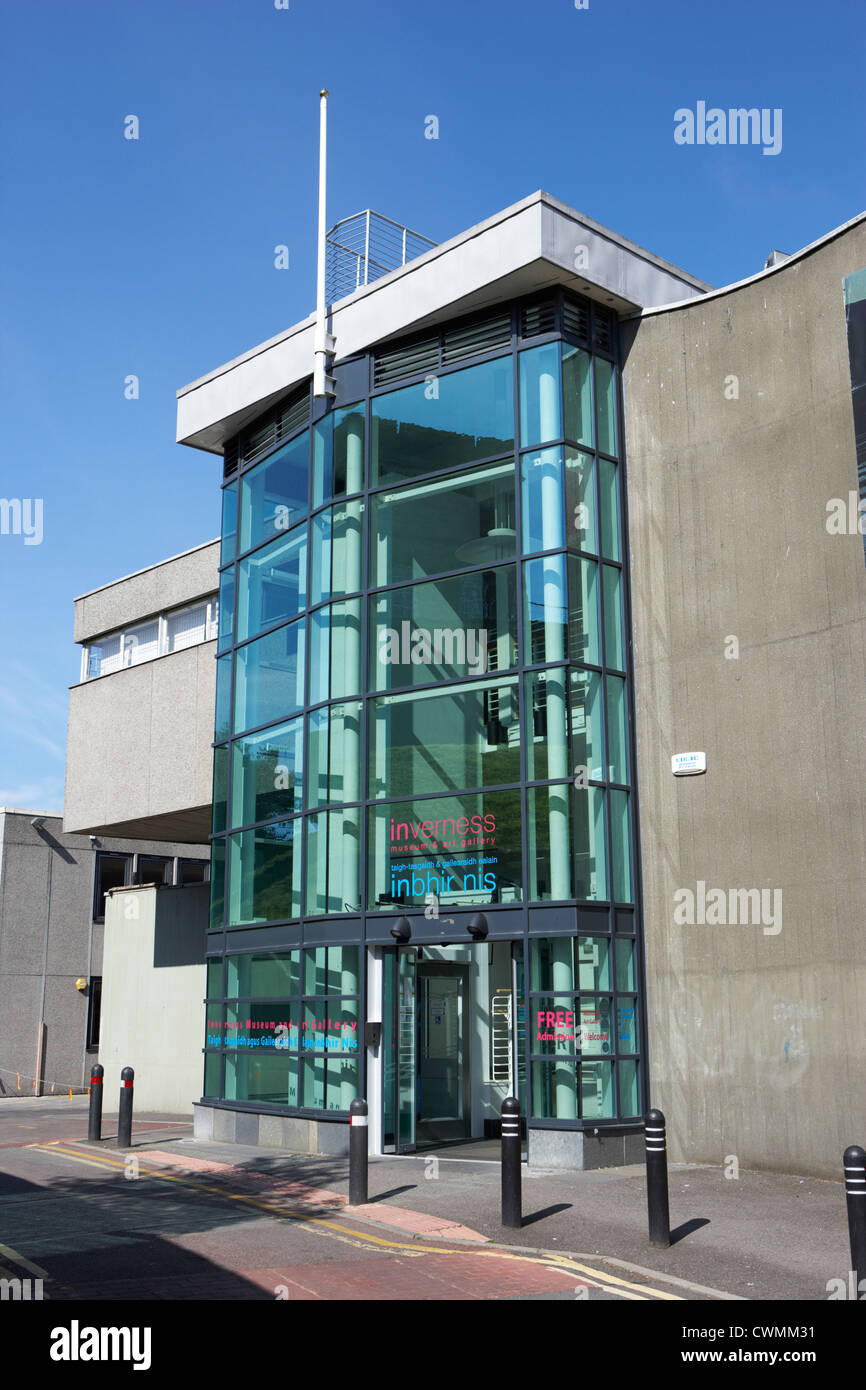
{"x":590,"y":855}
{"x":267,"y":774}
{"x":464,"y":520}
{"x":561,"y":623}
{"x":605,"y":387}
{"x":625,"y":965}
{"x":614,"y":633}
{"x":593,"y":962}
{"x":444,"y":630}
{"x":267,"y":1076}
{"x":334,"y":862}
{"x":551,"y":964}
{"x":620,"y":847}
{"x":596,"y":1032}
{"x":554,"y":1090}
{"x":222,"y":718}
{"x":577,"y":394}
{"x":332,"y":970}
{"x":337,"y":543}
{"x":217,"y":883}
{"x":583,"y":625}
{"x":437,"y":741}
{"x":626,"y":1023}
{"x":212,"y":1064}
{"x":617,"y":729}
{"x":546,"y":725}
{"x":334,"y":754}
{"x":611,"y":546}
{"x":542,"y":506}
{"x":335,"y":651}
{"x":444,"y":422}
{"x":214,"y":979}
{"x":545,"y":623}
{"x":585,"y":719}
{"x":330,"y":1025}
{"x":338,"y":454}
{"x":229,"y":524}
{"x":220,"y":785}
{"x":226,"y":609}
{"x":265,"y":871}
{"x":581,"y":528}
{"x":274,"y":493}
{"x":596,"y":1090}
{"x":330,"y":1083}
{"x":467,"y":850}
{"x":540,"y":405}
{"x":270,"y":677}
{"x":629,"y":1088}
{"x":262,"y":975}
{"x":555,"y":1029}
{"x":550,"y":843}
{"x":272,"y":583}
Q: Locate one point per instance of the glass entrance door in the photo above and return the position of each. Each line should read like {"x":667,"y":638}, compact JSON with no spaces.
{"x":442,"y":1051}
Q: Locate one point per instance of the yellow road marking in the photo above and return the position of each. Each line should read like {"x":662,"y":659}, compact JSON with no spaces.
{"x":611,"y":1283}
{"x":21,"y":1260}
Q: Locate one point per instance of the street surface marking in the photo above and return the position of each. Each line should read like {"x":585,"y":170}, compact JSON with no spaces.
{"x":362,"y":1240}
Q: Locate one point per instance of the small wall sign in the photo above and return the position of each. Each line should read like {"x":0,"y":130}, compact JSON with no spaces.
{"x":688,"y":764}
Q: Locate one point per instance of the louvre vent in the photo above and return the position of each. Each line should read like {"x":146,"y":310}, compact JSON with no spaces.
{"x":602,"y":330}
{"x":538,"y":318}
{"x":294,"y":415}
{"x":476,"y":338}
{"x":285,"y":420}
{"x":406,"y":360}
{"x":575,"y":318}
{"x":231,"y":454}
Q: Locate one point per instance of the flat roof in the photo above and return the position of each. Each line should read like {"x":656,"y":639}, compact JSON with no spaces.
{"x":528,"y":247}
{"x":147,"y":568}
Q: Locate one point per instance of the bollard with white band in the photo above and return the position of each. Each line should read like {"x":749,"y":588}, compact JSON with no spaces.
{"x":658,"y":1209}
{"x":358,"y":1153}
{"x":512,"y":1206}
{"x":854,"y":1159}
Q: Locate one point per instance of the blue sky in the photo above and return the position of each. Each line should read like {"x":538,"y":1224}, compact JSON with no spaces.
{"x":155,"y":257}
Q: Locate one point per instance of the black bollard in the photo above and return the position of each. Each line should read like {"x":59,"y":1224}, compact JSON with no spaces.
{"x":657,"y":1181}
{"x":358,"y":1153}
{"x":854,"y":1159}
{"x":124,"y":1119}
{"x":512,"y":1207}
{"x":94,"y":1121}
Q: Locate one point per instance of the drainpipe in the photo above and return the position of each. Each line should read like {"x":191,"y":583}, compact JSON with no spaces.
{"x":324,"y":344}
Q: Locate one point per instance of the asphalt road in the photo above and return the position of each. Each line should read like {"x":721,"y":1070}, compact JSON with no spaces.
{"x":101,"y":1224}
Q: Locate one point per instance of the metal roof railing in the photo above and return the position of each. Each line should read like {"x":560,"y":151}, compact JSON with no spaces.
{"x":364,"y":247}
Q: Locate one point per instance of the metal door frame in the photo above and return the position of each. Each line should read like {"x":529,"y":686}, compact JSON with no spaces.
{"x":462,"y":970}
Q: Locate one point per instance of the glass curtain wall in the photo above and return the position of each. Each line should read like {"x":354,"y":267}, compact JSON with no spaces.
{"x":422,"y":693}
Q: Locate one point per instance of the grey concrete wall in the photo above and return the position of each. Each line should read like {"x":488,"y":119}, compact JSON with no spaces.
{"x":170,"y":584}
{"x":138,"y":753}
{"x":153,"y":988}
{"x":46,"y":880}
{"x":756,"y":1038}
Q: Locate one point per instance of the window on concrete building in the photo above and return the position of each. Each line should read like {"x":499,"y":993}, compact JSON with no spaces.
{"x":111,"y":871}
{"x":94,"y":1010}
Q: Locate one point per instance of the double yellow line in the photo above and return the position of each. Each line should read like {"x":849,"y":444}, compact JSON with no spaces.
{"x":362,"y":1240}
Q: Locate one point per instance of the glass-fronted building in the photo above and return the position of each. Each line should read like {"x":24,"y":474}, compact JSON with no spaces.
{"x":425,"y":875}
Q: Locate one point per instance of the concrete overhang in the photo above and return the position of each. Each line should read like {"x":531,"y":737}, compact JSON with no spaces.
{"x":533,"y":245}
{"x":190,"y":826}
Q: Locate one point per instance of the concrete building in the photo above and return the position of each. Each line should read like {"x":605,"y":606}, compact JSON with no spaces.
{"x":52,"y":911}
{"x":749,"y":613}
{"x":568,"y":515}
{"x":141,"y":718}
